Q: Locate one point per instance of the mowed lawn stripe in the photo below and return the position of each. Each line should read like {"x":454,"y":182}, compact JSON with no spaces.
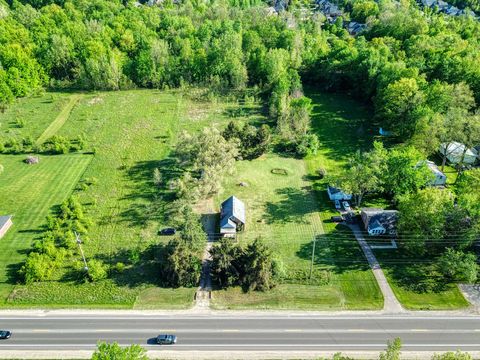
{"x":30,"y":197}
{"x":59,"y":120}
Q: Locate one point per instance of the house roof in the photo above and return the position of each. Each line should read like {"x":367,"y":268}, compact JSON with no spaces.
{"x":233,"y":207}
{"x":226,"y":223}
{"x":457,"y":149}
{"x":4,"y":220}
{"x":432,"y":166}
{"x":333,"y":190}
{"x":379,"y":217}
{"x":355,"y":27}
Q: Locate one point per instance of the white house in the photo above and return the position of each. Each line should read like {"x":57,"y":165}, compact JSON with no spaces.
{"x":455,"y":151}
{"x":439,"y":178}
{"x":379,"y":221}
{"x":337,"y":194}
{"x":232,"y":217}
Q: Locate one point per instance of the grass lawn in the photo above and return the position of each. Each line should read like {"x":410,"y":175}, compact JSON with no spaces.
{"x":36,"y":112}
{"x":342,"y":127}
{"x":28,"y":192}
{"x":283,"y":210}
{"x":130,"y":133}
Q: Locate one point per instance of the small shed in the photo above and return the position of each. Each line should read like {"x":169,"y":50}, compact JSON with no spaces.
{"x":337,"y":194}
{"x":5,"y":224}
{"x":455,"y":151}
{"x":232,"y":216}
{"x":439,"y":178}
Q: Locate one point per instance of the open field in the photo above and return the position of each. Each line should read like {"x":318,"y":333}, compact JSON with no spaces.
{"x":283,"y":210}
{"x":28,"y":192}
{"x":37,"y":113}
{"x":341,"y":126}
{"x":130,"y":133}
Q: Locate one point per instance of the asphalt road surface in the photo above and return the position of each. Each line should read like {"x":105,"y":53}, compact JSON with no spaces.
{"x":243,"y":333}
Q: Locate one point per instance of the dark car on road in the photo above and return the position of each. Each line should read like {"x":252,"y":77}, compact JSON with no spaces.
{"x":166,"y":339}
{"x":167,"y":231}
{"x":5,"y":334}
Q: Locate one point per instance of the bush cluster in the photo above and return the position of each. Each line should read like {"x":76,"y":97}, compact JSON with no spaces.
{"x":253,"y":267}
{"x":58,"y":242}
{"x":54,"y":145}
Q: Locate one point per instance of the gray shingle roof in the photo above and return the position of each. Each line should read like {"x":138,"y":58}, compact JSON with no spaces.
{"x":233,"y":207}
{"x":4,"y":220}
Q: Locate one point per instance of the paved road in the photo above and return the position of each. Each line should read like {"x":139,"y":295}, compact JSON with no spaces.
{"x":241,"y":332}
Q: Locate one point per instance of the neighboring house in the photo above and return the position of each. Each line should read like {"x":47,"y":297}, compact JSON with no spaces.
{"x":447,"y":8}
{"x":355,"y":28}
{"x":379,"y":221}
{"x":330,"y":10}
{"x":232,"y":217}
{"x":440,"y":179}
{"x":337,"y":194}
{"x":5,"y":224}
{"x":456,"y":151}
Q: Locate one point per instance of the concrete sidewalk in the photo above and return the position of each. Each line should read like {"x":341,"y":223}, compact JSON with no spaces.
{"x":391,"y":304}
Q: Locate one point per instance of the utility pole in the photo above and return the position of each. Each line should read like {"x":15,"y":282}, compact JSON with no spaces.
{"x":313,"y":256}
{"x":79,"y":242}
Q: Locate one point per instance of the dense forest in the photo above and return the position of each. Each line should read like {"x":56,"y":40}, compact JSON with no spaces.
{"x":419,"y":69}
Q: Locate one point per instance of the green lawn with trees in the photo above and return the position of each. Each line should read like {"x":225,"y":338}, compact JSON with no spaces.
{"x":129,"y":135}
{"x":283,"y":210}
{"x":29,"y":192}
{"x":157,"y":153}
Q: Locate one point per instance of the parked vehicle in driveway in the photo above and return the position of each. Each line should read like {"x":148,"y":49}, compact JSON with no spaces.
{"x":346,"y":206}
{"x":5,"y":334}
{"x":165,"y":339}
{"x":338,"y":206}
{"x":167,"y":231}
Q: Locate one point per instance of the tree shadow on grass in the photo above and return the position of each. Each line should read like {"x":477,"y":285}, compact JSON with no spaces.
{"x":293,"y":207}
{"x":418,"y":275}
{"x":149,"y":201}
{"x":141,"y":267}
{"x":339,"y":250}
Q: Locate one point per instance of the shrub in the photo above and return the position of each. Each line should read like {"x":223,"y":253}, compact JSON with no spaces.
{"x":113,"y":351}
{"x":322,"y":172}
{"x":180,"y":266}
{"x":458,"y":266}
{"x":96,"y":270}
{"x":38,"y":267}
{"x":20,"y":122}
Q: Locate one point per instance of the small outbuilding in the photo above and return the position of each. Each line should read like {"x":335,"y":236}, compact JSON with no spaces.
{"x":337,"y":194}
{"x":5,"y":224}
{"x":379,"y":221}
{"x":232,"y":217}
{"x":456,"y":151}
{"x":439,"y":178}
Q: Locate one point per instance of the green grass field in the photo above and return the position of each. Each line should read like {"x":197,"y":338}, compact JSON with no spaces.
{"x":29,"y":192}
{"x":130,"y":133}
{"x":342,"y":127}
{"x":36,"y":112}
{"x":283,"y":210}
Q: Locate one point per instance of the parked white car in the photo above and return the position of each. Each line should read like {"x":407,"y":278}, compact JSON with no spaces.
{"x":346,"y":206}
